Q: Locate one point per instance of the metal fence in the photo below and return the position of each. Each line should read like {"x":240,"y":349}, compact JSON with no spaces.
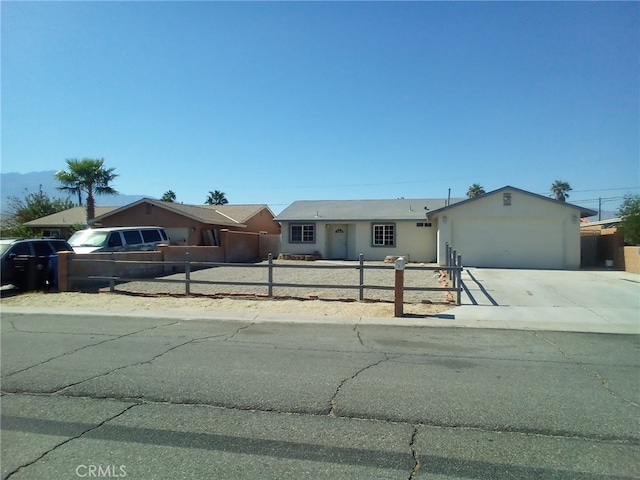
{"x":451,"y":270}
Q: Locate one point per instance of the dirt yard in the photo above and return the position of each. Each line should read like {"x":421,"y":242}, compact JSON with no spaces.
{"x":331,"y":302}
{"x":126,"y":302}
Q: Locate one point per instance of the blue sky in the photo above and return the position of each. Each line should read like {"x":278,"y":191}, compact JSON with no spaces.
{"x":272,"y":102}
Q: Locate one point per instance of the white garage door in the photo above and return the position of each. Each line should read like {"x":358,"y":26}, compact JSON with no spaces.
{"x":177,"y":235}
{"x":510,"y":242}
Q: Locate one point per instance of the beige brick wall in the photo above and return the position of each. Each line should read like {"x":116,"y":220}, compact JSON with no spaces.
{"x":632,"y":259}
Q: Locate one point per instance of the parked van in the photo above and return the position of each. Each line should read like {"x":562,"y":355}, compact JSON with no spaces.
{"x":117,"y":239}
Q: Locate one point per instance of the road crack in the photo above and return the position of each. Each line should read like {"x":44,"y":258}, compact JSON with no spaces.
{"x":85,"y":347}
{"x":237,"y":332}
{"x":603,"y":381}
{"x":135,"y":364}
{"x":333,"y":402}
{"x":414,"y":452}
{"x":70,"y":439}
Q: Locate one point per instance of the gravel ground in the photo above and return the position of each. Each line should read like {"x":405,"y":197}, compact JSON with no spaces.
{"x":300,"y":273}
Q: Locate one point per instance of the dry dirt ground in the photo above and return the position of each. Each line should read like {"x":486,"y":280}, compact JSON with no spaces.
{"x":60,"y":302}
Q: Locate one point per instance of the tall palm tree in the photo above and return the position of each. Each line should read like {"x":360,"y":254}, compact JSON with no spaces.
{"x":216,"y":198}
{"x":88,"y":176}
{"x":560,"y":190}
{"x":168,"y":196}
{"x":475,"y":190}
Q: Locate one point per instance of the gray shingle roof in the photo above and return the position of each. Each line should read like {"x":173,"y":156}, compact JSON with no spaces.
{"x":68,"y":217}
{"x":338,"y":210}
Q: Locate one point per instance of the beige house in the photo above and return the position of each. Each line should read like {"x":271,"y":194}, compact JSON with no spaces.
{"x":507,"y":228}
{"x":342,"y":229}
{"x":184,"y":224}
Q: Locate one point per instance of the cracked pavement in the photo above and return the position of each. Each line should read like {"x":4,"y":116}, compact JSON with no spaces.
{"x":161,"y":398}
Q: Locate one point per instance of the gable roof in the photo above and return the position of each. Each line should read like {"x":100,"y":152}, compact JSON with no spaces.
{"x":364,"y":210}
{"x":68,"y":217}
{"x":240,"y":213}
{"x":584,"y":212}
{"x":229,"y":215}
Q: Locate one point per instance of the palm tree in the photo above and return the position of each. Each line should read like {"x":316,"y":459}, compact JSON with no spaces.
{"x":216,"y":198}
{"x":475,"y":190}
{"x":169,"y":196}
{"x":87,"y":176}
{"x":560,"y":190}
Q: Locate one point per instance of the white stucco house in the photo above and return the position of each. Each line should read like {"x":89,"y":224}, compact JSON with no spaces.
{"x":505,"y":228}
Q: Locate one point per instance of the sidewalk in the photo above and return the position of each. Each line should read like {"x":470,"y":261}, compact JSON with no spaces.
{"x":570,"y":301}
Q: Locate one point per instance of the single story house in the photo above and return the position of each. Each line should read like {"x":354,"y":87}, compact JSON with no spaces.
{"x":506,"y":228}
{"x":184,"y":224}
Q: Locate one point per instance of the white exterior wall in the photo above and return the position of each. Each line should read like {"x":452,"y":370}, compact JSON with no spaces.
{"x":530,"y":233}
{"x":303,"y":248}
{"x":417,"y":243}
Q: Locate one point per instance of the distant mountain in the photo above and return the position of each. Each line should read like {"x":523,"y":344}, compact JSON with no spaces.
{"x":604,"y":215}
{"x":21,"y":184}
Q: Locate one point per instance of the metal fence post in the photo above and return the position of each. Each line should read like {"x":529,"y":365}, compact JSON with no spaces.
{"x":270,"y":276}
{"x":447,"y":254}
{"x":361,"y":257}
{"x":459,"y":284}
{"x":187,"y":275}
{"x":452,"y":275}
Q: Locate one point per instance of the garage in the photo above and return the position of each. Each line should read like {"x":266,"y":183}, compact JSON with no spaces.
{"x":508,"y":243}
{"x":511,"y":228}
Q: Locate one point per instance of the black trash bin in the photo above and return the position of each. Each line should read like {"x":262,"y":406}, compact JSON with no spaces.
{"x":35,"y":274}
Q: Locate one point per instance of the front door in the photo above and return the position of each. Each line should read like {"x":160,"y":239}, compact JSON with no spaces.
{"x":338,"y":243}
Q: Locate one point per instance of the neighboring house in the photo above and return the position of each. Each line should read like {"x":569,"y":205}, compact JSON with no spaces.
{"x":184,"y":224}
{"x":602,"y":244}
{"x":507,"y":228}
{"x":59,"y":225}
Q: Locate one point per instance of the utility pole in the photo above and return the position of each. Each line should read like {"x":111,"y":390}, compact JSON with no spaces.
{"x":599,"y":208}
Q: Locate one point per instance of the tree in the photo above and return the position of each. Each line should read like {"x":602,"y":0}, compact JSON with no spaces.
{"x":475,"y":190}
{"x":560,"y":190}
{"x":216,"y":198}
{"x":31,"y":207}
{"x":629,"y":214}
{"x":88,"y":176}
{"x":168,"y":196}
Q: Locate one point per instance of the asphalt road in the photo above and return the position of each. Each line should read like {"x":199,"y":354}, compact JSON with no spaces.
{"x":162,"y":398}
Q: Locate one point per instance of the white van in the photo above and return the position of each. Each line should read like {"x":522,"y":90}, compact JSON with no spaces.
{"x":117,"y":239}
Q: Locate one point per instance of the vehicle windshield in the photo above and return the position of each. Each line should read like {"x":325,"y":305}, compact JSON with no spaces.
{"x":88,"y":238}
{"x":4,"y":246}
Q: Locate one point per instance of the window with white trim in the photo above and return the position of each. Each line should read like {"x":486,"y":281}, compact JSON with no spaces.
{"x":384,"y":235}
{"x":302,"y":233}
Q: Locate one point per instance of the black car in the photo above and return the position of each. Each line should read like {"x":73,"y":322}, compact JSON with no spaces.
{"x":27,"y":262}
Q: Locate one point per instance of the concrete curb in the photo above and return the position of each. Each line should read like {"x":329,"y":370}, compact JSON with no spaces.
{"x":502,"y":318}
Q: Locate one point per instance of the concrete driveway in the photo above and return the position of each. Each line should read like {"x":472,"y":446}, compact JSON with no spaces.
{"x":566,"y":300}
